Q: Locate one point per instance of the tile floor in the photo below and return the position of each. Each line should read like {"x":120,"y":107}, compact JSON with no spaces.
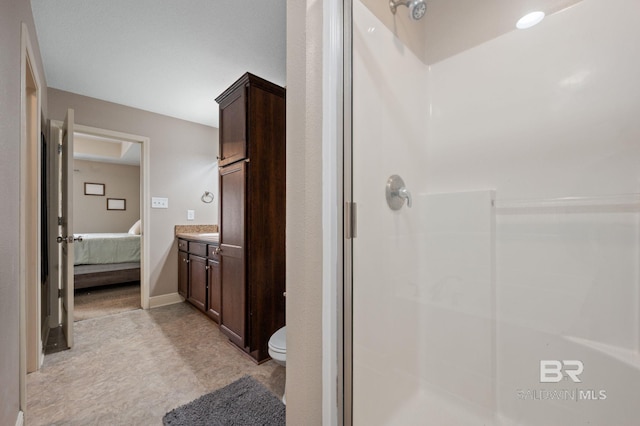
{"x":133,"y":367}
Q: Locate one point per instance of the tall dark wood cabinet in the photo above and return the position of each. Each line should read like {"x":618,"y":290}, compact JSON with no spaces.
{"x":252,"y":213}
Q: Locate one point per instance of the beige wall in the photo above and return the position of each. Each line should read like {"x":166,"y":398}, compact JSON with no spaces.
{"x":304,"y":212}
{"x":182,"y":157}
{"x":12,"y":14}
{"x":90,"y":212}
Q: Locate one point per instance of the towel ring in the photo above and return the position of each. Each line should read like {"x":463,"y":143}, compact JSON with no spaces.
{"x":207,"y":197}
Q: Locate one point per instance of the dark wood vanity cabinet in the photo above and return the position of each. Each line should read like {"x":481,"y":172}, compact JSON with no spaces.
{"x":252,"y":213}
{"x":198,"y":276}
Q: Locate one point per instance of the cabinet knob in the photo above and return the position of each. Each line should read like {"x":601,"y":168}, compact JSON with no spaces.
{"x":218,"y":250}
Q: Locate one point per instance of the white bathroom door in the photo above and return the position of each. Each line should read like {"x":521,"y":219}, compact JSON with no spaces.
{"x":65,"y":238}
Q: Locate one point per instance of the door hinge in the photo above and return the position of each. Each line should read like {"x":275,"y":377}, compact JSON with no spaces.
{"x":350,"y":220}
{"x":59,"y":293}
{"x":59,"y":148}
{"x":59,"y":220}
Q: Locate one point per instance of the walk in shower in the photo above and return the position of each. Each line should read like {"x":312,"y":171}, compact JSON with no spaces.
{"x":507,"y":293}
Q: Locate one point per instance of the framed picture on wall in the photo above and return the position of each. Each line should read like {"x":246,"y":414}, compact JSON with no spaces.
{"x":116,"y":204}
{"x":93,"y":188}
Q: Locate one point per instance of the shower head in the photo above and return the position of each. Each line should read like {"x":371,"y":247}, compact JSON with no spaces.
{"x":417,"y":8}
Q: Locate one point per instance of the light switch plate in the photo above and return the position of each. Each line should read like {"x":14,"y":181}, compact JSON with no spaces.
{"x":159,"y":203}
{"x":191,"y":214}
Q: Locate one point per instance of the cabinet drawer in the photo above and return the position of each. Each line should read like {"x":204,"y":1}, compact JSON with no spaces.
{"x":211,"y":252}
{"x":183,"y":245}
{"x":199,"y":249}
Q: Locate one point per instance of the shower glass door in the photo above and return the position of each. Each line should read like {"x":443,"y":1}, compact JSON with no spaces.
{"x":507,"y":293}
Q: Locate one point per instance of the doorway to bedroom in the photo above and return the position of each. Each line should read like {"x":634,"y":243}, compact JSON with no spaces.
{"x":106,"y":214}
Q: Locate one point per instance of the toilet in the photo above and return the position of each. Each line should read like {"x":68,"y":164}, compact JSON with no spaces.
{"x":278,"y":351}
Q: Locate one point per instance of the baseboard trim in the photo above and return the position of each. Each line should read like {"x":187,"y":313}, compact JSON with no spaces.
{"x":164,"y":300}
{"x":20,"y":419}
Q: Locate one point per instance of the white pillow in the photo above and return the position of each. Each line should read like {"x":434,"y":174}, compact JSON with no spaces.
{"x":135,"y":229}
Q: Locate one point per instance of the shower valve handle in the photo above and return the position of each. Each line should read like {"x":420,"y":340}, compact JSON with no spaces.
{"x":397,"y":193}
{"x":404,"y":193}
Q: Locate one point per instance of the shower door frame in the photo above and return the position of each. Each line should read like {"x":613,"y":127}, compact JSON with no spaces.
{"x":349,"y":224}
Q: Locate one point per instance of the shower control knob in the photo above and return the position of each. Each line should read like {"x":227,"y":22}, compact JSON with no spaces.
{"x":397,"y":193}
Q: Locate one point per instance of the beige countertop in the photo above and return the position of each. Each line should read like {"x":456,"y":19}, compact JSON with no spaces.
{"x":195,"y":229}
{"x":199,"y":233}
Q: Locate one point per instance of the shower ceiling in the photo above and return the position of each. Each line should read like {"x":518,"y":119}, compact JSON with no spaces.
{"x":453,"y":26}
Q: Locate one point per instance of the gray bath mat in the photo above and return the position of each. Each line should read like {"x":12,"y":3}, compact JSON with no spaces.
{"x":245,"y":402}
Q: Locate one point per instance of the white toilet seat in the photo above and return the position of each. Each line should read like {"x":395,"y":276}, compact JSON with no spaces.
{"x":276,"y":351}
{"x":278,"y":342}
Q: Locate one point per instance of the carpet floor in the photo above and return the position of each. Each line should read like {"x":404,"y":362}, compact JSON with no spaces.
{"x":108,"y":300}
{"x":134,"y":367}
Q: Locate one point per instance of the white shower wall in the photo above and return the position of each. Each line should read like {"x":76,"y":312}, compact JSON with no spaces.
{"x":453,"y":313}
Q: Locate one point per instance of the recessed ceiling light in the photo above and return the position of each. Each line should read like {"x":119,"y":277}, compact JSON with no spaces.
{"x":529,"y":20}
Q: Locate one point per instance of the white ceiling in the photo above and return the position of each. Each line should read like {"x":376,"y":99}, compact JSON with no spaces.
{"x":172,"y":57}
{"x":105,"y":150}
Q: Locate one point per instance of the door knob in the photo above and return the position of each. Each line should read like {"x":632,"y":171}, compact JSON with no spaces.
{"x":69,"y":239}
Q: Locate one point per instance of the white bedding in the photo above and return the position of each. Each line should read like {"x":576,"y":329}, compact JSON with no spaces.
{"x":106,"y":248}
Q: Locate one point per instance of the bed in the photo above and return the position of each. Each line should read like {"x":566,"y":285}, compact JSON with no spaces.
{"x":105,"y":259}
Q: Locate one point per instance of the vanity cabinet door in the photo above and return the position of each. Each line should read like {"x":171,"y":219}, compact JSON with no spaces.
{"x":183,"y":273}
{"x":198,"y":281}
{"x":213,"y":306}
